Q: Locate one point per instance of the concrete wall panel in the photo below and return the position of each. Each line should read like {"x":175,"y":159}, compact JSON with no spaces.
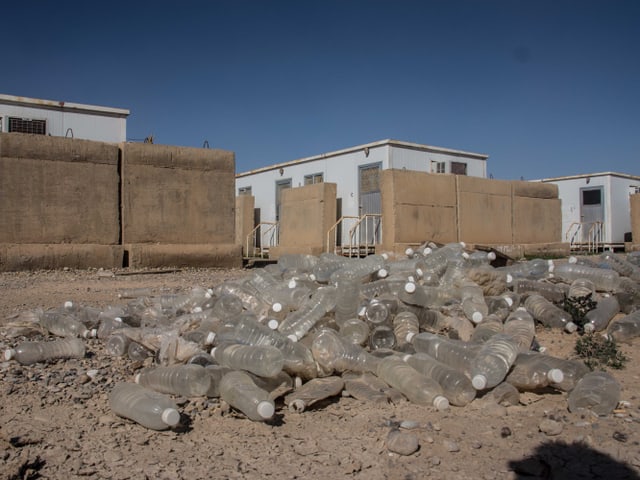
{"x":184,"y":255}
{"x":178,"y":195}
{"x":15,"y":257}
{"x":58,"y":190}
{"x":484,"y":210}
{"x":536,"y":220}
{"x":245,"y":205}
{"x":415,"y":224}
{"x":534,"y":189}
{"x":306,"y":214}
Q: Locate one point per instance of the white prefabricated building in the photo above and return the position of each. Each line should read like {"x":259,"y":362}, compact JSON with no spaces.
{"x":355,"y":171}
{"x":596,"y":198}
{"x":62,"y":119}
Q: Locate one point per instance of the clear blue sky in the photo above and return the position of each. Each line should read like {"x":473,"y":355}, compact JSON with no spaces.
{"x":544,"y":87}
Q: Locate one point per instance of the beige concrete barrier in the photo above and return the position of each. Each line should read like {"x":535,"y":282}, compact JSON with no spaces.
{"x":184,"y":255}
{"x":16,"y":257}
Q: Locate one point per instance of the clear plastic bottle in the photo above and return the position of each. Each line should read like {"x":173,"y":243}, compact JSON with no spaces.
{"x":405,"y":326}
{"x":493,"y":361}
{"x":64,"y":325}
{"x":604,"y":279}
{"x":355,"y":331}
{"x":472,"y":300}
{"x":626,"y":328}
{"x":117,"y":344}
{"x":148,"y":408}
{"x":486,"y":329}
{"x":189,"y":380}
{"x":138,"y":352}
{"x":418,"y":388}
{"x":227,"y":306}
{"x":299,"y":262}
{"x":531,"y":269}
{"x":263,"y":360}
{"x":456,"y":386}
{"x":108,"y":325}
{"x":620,"y":265}
{"x":313,"y":391}
{"x":298,"y":359}
{"x":598,"y":319}
{"x":554,"y":292}
{"x":500,"y":305}
{"x":215,"y":372}
{"x":28,"y":353}
{"x":359,"y":269}
{"x":381,"y":337}
{"x":347,"y":298}
{"x":298,"y":323}
{"x":531,"y":372}
{"x":333,"y":353}
{"x":454,"y":353}
{"x":376,"y":312}
{"x":522,"y":327}
{"x":596,"y":391}
{"x":239,"y":390}
{"x":549,"y":314}
{"x":581,"y":287}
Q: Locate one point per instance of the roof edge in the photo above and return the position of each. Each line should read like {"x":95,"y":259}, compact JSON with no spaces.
{"x":589,"y":175}
{"x":59,"y":105}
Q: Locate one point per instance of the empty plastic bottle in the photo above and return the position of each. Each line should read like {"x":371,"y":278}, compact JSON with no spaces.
{"x":493,"y":361}
{"x":531,"y":371}
{"x":472,"y":300}
{"x":381,"y":337}
{"x":456,"y":386}
{"x":598,"y":319}
{"x":215,"y":372}
{"x":64,"y":325}
{"x":138,"y":352}
{"x":620,"y":265}
{"x":549,"y":314}
{"x":150,"y":409}
{"x":405,"y":326}
{"x":227,"y":306}
{"x":347,"y":297}
{"x":521,"y":326}
{"x":189,"y":380}
{"x":28,"y":353}
{"x":334,"y":353}
{"x":239,"y":390}
{"x":500,"y":305}
{"x":454,"y":353}
{"x":263,"y":360}
{"x":299,"y":262}
{"x":532,"y":269}
{"x":298,"y":323}
{"x":554,"y":292}
{"x":581,"y":287}
{"x":108,"y":325}
{"x":596,"y":391}
{"x":313,"y":391}
{"x":376,"y":312}
{"x":359,"y":269}
{"x":626,"y":328}
{"x":418,"y":388}
{"x":355,"y":331}
{"x":603,"y":279}
{"x":486,"y":329}
{"x":117,"y":344}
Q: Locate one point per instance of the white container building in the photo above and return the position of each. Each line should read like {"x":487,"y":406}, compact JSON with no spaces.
{"x":62,"y":119}
{"x":355,"y":171}
{"x":596,"y":211}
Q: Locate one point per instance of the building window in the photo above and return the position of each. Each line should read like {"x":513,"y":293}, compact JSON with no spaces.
{"x":458,"y":168}
{"x":440,"y":167}
{"x":244,"y":190}
{"x":592,"y":197}
{"x":313,"y":178}
{"x":26,"y":125}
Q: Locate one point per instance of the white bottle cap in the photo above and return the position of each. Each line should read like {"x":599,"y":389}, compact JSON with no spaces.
{"x":273,"y":324}
{"x":552,"y":267}
{"x":68,"y":304}
{"x":571,"y":327}
{"x":170,"y":416}
{"x":572,"y":259}
{"x":276,"y":307}
{"x":409,"y":252}
{"x":441,"y":403}
{"x":137,"y":378}
{"x":213,"y":352}
{"x":589,"y":327}
{"x":509,"y":278}
{"x":477,"y":317}
{"x":427,"y":251}
{"x":555,"y":375}
{"x":265,"y":409}
{"x":463,"y":245}
{"x":196,"y":310}
{"x":384,"y":255}
{"x":292,"y":283}
{"x":465,"y":255}
{"x":479,"y":382}
{"x":406,"y":357}
{"x":292,"y":337}
{"x":419,"y":272}
{"x":409,"y":287}
{"x":211,"y":336}
{"x":9,"y":353}
{"x":297,"y":405}
{"x":491,"y":256}
{"x":409,"y":337}
{"x":312,"y":277}
{"x":383,"y":273}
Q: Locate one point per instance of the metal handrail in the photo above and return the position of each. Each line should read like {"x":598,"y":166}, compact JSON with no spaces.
{"x":334,"y":229}
{"x":356,"y":229}
{"x":252,"y":238}
{"x":594,"y":235}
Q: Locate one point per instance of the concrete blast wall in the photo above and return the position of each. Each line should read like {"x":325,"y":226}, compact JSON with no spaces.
{"x":306,"y":215}
{"x":245,"y":206}
{"x":59,"y":203}
{"x":635,"y":221}
{"x":177,"y":204}
{"x":78,"y":203}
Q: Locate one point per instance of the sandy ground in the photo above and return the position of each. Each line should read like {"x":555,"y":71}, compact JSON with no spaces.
{"x":55,"y":420}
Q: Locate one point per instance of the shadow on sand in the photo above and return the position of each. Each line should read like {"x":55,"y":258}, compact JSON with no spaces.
{"x":559,"y":461}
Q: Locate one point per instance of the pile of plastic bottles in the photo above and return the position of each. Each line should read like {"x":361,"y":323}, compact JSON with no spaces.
{"x":438,"y":326}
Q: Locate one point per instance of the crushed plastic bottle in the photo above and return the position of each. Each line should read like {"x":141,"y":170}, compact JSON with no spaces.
{"x":548,"y":314}
{"x":28,"y":353}
{"x":263,"y":360}
{"x":596,"y":391}
{"x":333,"y":353}
{"x":626,"y":328}
{"x":493,"y":361}
{"x":189,"y":380}
{"x":598,"y":319}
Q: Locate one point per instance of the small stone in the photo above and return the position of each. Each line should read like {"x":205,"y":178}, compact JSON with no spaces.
{"x":505,"y":432}
{"x":435,"y":461}
{"x":550,"y":427}
{"x":476,"y":445}
{"x":402,"y":443}
{"x":451,"y":446}
{"x":493,"y":409}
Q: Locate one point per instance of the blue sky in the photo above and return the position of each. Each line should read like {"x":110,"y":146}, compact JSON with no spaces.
{"x":544,"y":87}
